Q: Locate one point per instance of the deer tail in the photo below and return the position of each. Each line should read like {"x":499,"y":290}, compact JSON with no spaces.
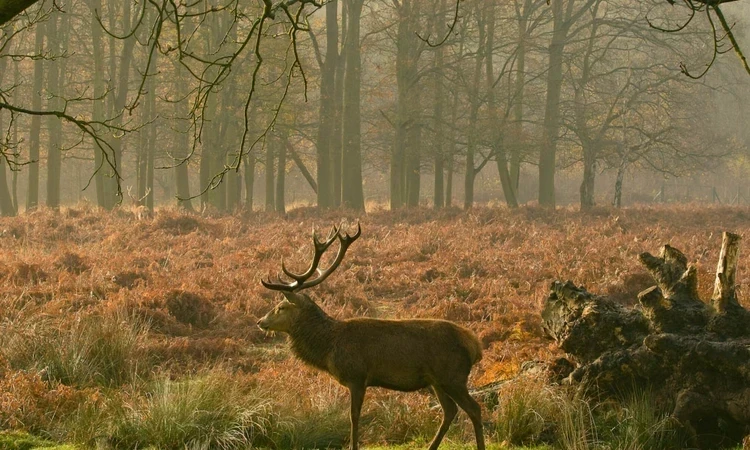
{"x":472,"y":345}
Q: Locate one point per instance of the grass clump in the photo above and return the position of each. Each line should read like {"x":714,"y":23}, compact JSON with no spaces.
{"x":18,"y":440}
{"x":87,"y":351}
{"x":525,"y":413}
{"x":207,"y":412}
{"x":640,"y":424}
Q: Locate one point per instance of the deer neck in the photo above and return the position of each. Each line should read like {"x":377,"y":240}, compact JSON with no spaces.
{"x":312,"y":336}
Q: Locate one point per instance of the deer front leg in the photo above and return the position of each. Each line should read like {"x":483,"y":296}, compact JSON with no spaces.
{"x":357,"y":394}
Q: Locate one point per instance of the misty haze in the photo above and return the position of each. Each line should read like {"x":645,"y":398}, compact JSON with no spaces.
{"x":527,"y":221}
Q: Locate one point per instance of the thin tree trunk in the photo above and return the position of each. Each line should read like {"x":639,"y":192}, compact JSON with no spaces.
{"x":6,"y":202}
{"x":281,"y":177}
{"x":55,"y":83}
{"x":471,"y":146}
{"x":450,"y":156}
{"x":552,"y":108}
{"x":300,"y":165}
{"x":405,"y":156}
{"x":327,"y":108}
{"x":249,"y":162}
{"x":497,"y":142}
{"x":32,"y":198}
{"x":520,"y":82}
{"x":121,"y":98}
{"x":151,"y":149}
{"x":589,"y":175}
{"x":181,"y":148}
{"x":100,"y":89}
{"x":439,"y":158}
{"x":14,"y":173}
{"x":270,"y":203}
{"x":352,"y":192}
{"x":337,"y":140}
{"x":7,"y":207}
{"x":141,"y":160}
{"x":617,"y":201}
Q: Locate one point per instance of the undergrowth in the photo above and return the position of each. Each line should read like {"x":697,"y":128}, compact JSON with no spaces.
{"x":141,"y":333}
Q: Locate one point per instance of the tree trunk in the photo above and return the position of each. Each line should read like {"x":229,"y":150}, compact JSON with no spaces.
{"x":249,"y":162}
{"x":281,"y":177}
{"x":14,"y":173}
{"x":438,"y":120}
{"x":551,"y":123}
{"x":475,"y":103}
{"x":300,"y":165}
{"x":7,"y":207}
{"x":270,"y":203}
{"x":450,"y":157}
{"x":352,"y":192}
{"x":55,"y":86}
{"x":520,"y":83}
{"x":204,"y":174}
{"x":121,"y":98}
{"x":589,"y":175}
{"x":151,"y":130}
{"x":337,"y":141}
{"x":32,"y":197}
{"x":501,"y":158}
{"x":405,"y":157}
{"x":100,"y":90}
{"x":6,"y":202}
{"x":617,"y":202}
{"x":181,"y":148}
{"x":327,"y":114}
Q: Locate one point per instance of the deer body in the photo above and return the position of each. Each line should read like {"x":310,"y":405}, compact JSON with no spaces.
{"x":403,"y":355}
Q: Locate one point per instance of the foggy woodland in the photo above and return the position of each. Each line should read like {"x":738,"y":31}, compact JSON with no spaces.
{"x":399,"y":103}
{"x":471,"y":133}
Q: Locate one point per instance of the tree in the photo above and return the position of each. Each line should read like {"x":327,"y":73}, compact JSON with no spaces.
{"x":352,"y":195}
{"x":565,"y":14}
{"x":328,"y":114}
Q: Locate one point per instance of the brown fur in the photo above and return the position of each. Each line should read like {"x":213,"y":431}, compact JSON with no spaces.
{"x":403,"y":355}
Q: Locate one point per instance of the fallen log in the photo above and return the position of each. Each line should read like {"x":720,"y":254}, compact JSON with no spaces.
{"x":693,"y":355}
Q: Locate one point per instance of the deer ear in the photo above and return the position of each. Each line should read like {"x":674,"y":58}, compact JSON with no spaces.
{"x":295,"y":298}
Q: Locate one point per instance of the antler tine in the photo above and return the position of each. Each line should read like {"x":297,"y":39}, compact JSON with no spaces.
{"x":279,"y":286}
{"x":345,"y":241}
{"x":288,"y":273}
{"x":329,"y":240}
{"x":319,"y":248}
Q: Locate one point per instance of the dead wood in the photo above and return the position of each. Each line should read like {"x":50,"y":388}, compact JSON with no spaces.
{"x":694,"y":355}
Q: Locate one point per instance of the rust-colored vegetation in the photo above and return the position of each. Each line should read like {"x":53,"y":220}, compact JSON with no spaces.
{"x":180,"y":294}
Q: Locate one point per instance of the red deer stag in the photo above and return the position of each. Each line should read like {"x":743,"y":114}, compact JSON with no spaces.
{"x":404,"y":355}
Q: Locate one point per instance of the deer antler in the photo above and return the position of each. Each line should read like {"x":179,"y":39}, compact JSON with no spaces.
{"x":137,"y":201}
{"x":306,"y":279}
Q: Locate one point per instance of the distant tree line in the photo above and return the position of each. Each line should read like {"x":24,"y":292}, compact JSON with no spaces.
{"x":195,"y":101}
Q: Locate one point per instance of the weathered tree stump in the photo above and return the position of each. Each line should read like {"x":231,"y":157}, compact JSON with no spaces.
{"x":694,"y":356}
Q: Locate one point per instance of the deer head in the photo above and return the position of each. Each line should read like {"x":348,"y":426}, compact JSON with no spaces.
{"x":286,"y":313}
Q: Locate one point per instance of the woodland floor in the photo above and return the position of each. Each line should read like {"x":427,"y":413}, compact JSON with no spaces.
{"x":195,"y":282}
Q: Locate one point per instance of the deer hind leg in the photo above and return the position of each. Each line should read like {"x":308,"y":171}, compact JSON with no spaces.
{"x":357,"y":394}
{"x":460,"y":394}
{"x":449,"y":413}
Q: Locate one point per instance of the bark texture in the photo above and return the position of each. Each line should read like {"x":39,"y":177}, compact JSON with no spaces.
{"x":694,"y":355}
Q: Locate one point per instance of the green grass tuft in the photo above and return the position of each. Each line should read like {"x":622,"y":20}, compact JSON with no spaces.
{"x":89,"y":351}
{"x":18,"y":440}
{"x":207,"y":411}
